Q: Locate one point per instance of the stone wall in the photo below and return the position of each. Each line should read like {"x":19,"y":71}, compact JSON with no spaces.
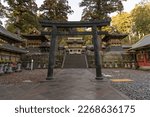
{"x":39,"y":61}
{"x":113,"y":60}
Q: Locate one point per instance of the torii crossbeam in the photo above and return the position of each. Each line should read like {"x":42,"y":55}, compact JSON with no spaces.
{"x":55,"y":33}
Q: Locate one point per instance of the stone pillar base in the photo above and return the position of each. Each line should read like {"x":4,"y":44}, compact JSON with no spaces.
{"x":99,"y":78}
{"x":49,"y":78}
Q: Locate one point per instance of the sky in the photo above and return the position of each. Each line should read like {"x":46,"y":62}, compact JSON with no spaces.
{"x":76,"y":16}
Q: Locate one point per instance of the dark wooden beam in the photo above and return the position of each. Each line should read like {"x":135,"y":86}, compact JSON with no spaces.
{"x":71,"y":24}
{"x":74,"y":33}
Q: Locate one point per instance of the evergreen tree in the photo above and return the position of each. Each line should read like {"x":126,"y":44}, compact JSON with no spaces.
{"x":99,"y":9}
{"x":2,"y":11}
{"x":56,"y":10}
{"x":22,"y":15}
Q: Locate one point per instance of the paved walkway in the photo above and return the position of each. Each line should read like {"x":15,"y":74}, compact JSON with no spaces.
{"x":69,"y":84}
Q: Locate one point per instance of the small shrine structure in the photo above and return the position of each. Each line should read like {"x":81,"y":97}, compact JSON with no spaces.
{"x":141,"y":50}
{"x":75,"y":45}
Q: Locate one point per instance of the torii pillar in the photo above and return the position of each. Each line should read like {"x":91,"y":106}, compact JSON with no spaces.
{"x":52,"y":52}
{"x":97,"y":53}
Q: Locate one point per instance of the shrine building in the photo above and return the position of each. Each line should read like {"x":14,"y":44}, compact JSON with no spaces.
{"x":38,"y":48}
{"x":75,"y":45}
{"x":142,"y":52}
{"x":11,"y":50}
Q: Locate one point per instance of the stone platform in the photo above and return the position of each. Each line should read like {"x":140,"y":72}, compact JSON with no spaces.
{"x":69,"y":84}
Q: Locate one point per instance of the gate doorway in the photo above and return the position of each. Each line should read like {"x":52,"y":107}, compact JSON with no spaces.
{"x":55,"y":26}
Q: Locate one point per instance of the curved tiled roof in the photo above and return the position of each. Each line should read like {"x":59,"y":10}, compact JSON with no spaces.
{"x":114,"y":36}
{"x":35,"y":37}
{"x":45,"y":44}
{"x":11,"y":48}
{"x":145,"y":41}
{"x":6,"y":34}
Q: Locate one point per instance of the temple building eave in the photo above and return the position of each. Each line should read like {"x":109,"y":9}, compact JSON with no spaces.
{"x":113,"y":36}
{"x":10,"y":48}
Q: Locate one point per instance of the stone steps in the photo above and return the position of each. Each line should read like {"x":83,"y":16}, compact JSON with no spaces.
{"x":75,"y":61}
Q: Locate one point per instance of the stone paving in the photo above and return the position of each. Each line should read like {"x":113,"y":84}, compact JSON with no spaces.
{"x":138,"y":86}
{"x":69,"y":84}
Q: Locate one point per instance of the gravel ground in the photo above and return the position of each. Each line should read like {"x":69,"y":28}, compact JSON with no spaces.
{"x":138,"y":89}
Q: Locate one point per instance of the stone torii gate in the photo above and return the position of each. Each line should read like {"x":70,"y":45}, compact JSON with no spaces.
{"x":76,"y":24}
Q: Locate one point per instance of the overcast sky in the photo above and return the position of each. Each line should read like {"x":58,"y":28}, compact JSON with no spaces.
{"x":76,"y":16}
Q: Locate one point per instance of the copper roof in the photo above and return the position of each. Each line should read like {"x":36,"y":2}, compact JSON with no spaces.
{"x":35,"y":37}
{"x":114,"y":36}
{"x":45,"y":44}
{"x":127,"y":46}
{"x":10,"y":48}
{"x":144,"y":42}
{"x":4,"y":34}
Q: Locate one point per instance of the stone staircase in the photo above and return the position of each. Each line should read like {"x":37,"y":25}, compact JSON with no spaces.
{"x":75,"y":61}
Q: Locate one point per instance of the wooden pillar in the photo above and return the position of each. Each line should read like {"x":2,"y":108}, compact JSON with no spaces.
{"x":96,"y":53}
{"x":52,"y":52}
